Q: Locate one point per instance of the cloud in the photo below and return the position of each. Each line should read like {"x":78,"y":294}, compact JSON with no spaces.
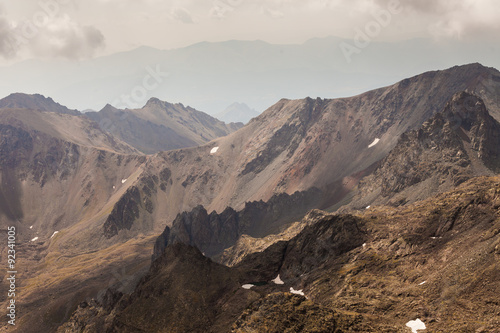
{"x":73,"y":41}
{"x":467,"y":19}
{"x":8,"y":49}
{"x":138,"y":21}
{"x":182,"y":15}
{"x":56,"y":37}
{"x":440,"y":19}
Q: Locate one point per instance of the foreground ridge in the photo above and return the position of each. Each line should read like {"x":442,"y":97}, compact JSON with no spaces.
{"x":398,"y":263}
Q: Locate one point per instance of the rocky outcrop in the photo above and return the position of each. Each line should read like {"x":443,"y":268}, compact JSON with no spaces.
{"x":214,"y":232}
{"x":135,"y":207}
{"x":16,"y":146}
{"x":36,"y":155}
{"x":209,"y":232}
{"x":124,"y":213}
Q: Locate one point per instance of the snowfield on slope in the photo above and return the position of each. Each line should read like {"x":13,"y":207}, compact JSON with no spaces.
{"x":416,"y":325}
{"x":374,"y":142}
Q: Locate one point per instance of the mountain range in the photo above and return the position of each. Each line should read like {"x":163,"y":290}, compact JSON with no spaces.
{"x":135,"y":206}
{"x":160,"y":126}
{"x":212,"y":76}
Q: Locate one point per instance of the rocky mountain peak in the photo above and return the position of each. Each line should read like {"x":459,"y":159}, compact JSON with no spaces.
{"x":160,"y":126}
{"x":34,"y":102}
{"x":154,"y":102}
{"x":108,"y":108}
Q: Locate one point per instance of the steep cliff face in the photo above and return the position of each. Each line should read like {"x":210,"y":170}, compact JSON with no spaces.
{"x":16,"y":146}
{"x":456,"y":144}
{"x":124,"y":213}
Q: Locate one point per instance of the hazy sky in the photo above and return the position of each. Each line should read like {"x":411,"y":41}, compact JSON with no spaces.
{"x":79,"y":29}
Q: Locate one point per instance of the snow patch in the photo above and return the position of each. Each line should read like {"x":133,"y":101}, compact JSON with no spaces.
{"x":374,"y":142}
{"x":422,"y":283}
{"x":55,"y":233}
{"x":247,"y":286}
{"x":123,"y":181}
{"x":297,"y":292}
{"x":34,"y":239}
{"x":278,"y":280}
{"x":214,"y":150}
{"x":416,"y":325}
